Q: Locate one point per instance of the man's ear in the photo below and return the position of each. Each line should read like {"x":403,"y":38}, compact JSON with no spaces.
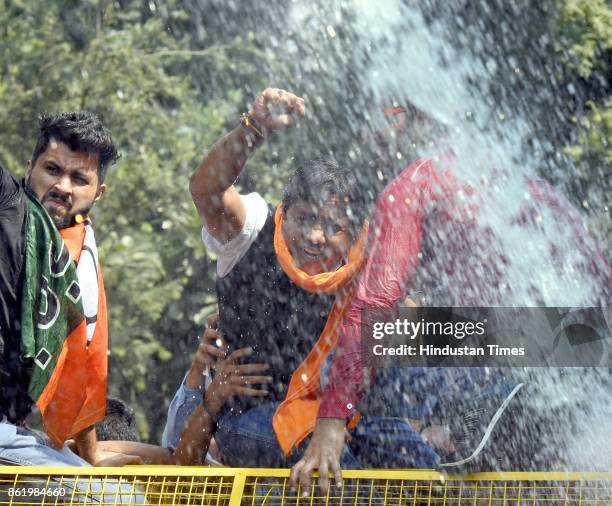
{"x":28,"y":168}
{"x":100,"y":192}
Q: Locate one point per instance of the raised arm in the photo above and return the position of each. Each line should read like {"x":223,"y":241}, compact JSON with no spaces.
{"x":212,"y":184}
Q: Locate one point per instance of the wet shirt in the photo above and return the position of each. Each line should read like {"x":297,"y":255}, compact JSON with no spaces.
{"x":15,"y":403}
{"x":442,"y":247}
{"x":405,"y":254}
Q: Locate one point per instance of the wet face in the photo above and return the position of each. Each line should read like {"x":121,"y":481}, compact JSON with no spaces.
{"x":318,"y":236}
{"x":65,"y":181}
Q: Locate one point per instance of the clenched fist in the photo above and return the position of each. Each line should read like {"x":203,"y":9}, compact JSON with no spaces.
{"x":275,"y":109}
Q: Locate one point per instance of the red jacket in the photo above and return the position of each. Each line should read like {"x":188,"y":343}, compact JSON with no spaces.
{"x":426,"y":213}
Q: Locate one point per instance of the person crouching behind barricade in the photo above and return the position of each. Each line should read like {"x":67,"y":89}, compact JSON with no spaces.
{"x":214,"y":378}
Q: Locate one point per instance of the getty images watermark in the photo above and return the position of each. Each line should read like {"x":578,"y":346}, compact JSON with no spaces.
{"x":486,"y":336}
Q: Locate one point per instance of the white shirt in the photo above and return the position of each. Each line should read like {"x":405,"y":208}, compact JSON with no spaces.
{"x":229,"y":254}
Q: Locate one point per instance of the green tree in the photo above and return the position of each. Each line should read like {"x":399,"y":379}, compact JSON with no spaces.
{"x":584,"y":43}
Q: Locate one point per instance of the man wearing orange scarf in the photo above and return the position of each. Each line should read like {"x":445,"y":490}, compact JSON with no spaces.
{"x":54,"y":343}
{"x":285,"y":277}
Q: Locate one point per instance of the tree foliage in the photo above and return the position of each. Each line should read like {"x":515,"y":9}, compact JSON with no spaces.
{"x":584,"y":42}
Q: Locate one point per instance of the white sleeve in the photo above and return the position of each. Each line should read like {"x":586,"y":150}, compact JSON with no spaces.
{"x":229,"y":254}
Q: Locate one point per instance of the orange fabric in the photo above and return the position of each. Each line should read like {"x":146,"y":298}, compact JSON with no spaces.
{"x":75,"y":397}
{"x":296,"y":416}
{"x":326,"y":282}
{"x":60,"y":400}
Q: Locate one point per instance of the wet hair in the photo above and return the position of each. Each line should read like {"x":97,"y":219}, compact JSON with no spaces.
{"x":119,"y":424}
{"x":315,"y":181}
{"x":429,"y":127}
{"x":80,"y":131}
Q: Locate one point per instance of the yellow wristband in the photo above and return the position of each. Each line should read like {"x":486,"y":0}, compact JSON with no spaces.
{"x":249,"y":124}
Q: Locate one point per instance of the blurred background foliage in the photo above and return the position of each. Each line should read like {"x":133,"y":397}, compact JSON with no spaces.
{"x":583,"y":39}
{"x":169,"y":77}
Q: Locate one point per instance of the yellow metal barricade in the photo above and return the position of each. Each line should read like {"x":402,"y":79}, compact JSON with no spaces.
{"x":230,"y":486}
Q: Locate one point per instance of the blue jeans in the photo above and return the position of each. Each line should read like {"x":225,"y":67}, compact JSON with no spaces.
{"x":25,"y":447}
{"x":432,"y":394}
{"x":248,"y":440}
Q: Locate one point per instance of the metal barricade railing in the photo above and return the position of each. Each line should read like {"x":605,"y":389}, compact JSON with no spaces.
{"x":220,"y":486}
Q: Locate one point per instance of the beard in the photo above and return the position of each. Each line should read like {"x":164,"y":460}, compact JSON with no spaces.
{"x":62,"y":216}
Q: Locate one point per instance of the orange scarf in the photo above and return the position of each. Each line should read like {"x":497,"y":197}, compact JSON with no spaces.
{"x":296,"y":416}
{"x":75,"y":398}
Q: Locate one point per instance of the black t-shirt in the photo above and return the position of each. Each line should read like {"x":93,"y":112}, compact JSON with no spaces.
{"x":259,"y":306}
{"x":14,"y":374}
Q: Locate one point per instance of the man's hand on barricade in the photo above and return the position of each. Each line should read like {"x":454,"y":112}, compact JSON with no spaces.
{"x":275,"y":109}
{"x":323,"y":453}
